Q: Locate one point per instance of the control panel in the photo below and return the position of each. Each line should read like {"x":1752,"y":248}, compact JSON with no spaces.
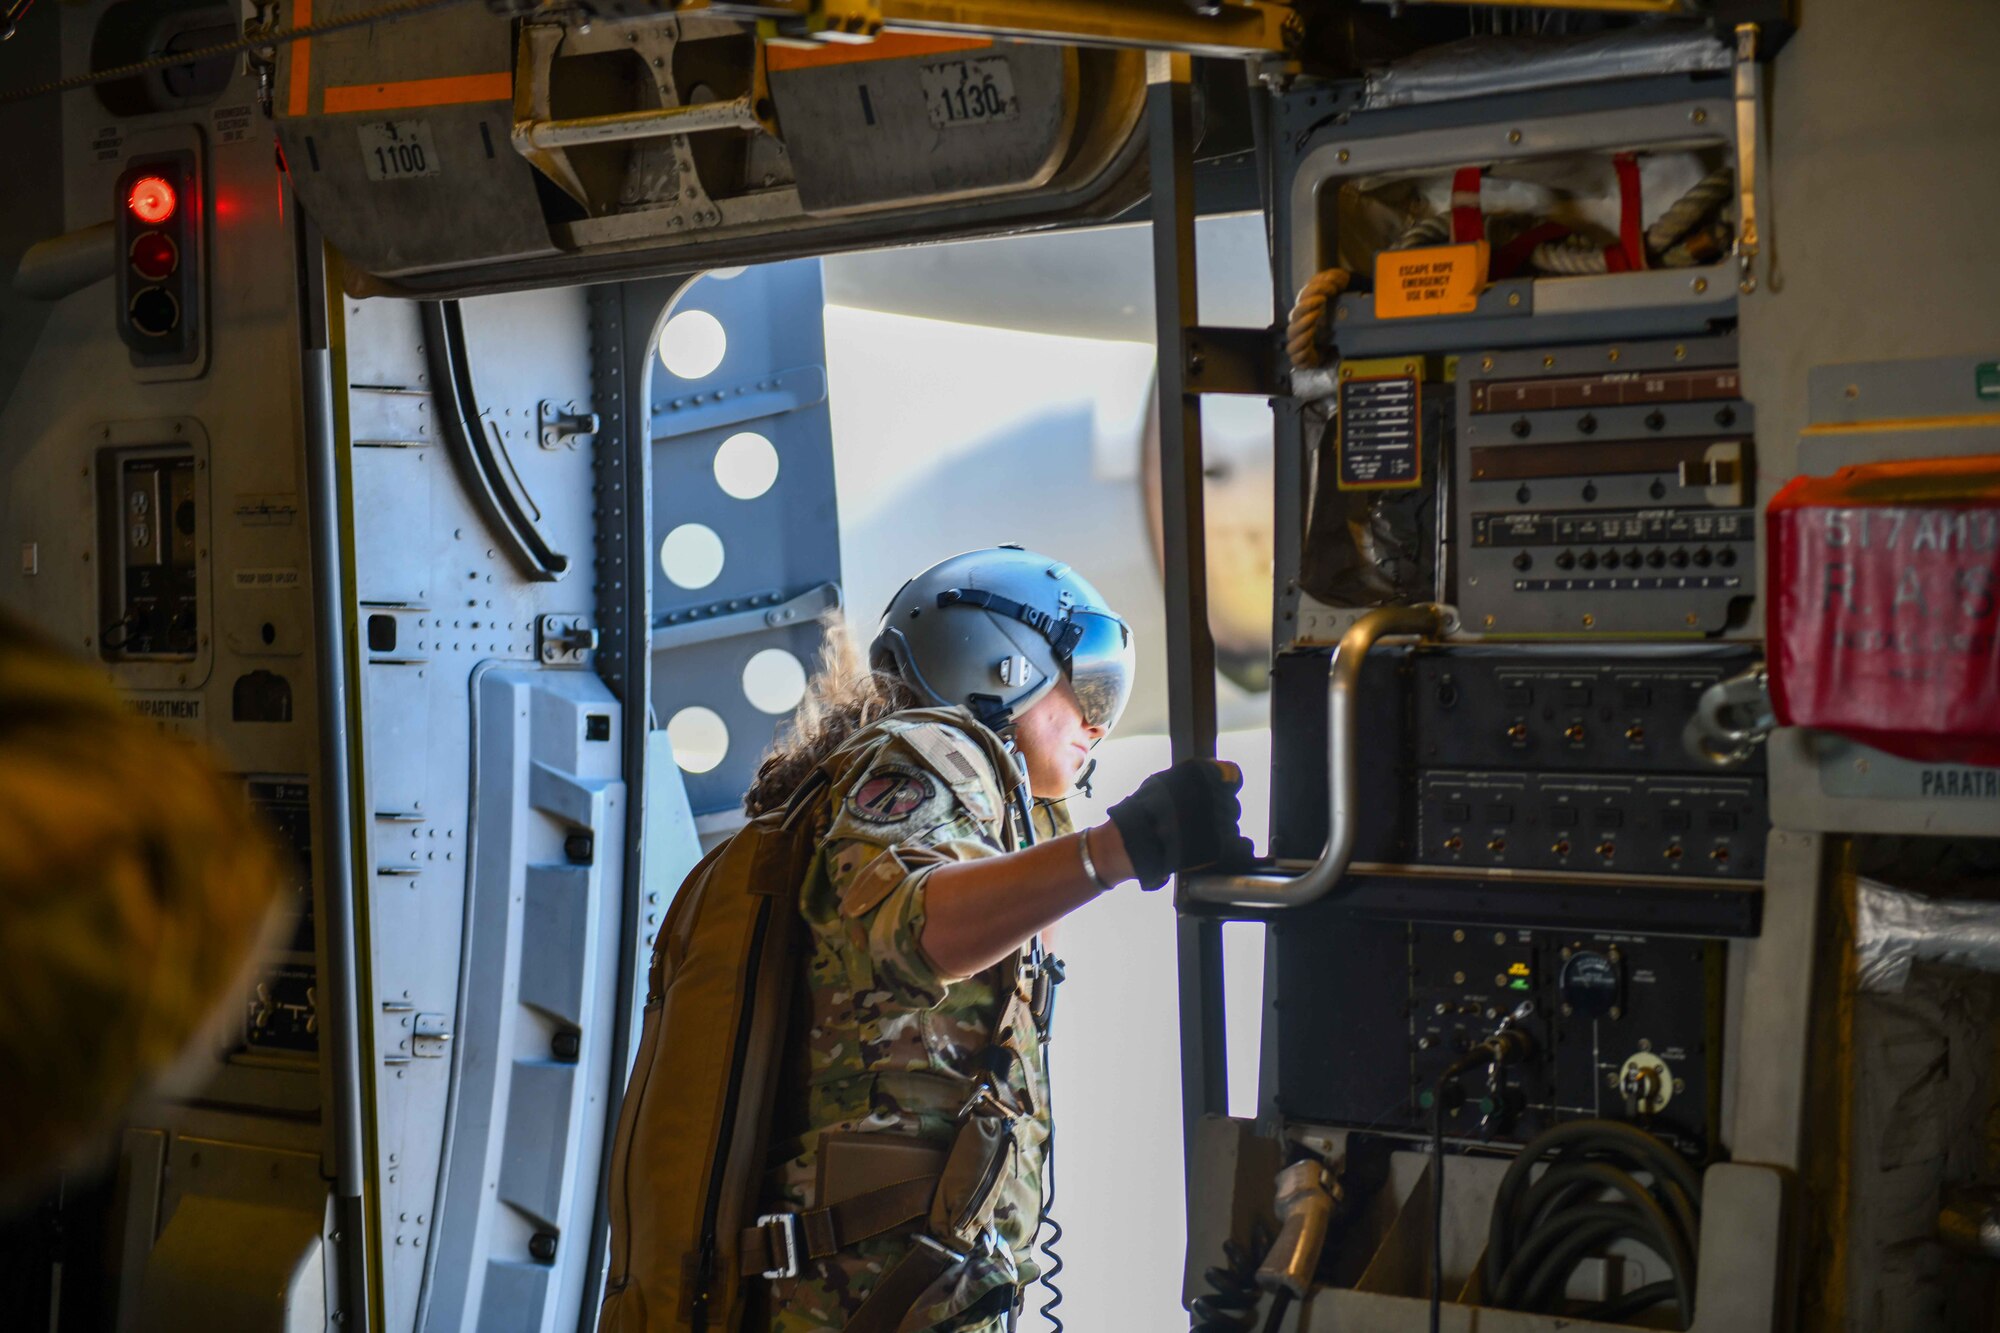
{"x":1372,"y":1013}
{"x":1607,"y":490}
{"x":150,"y":514}
{"x":1527,"y":759}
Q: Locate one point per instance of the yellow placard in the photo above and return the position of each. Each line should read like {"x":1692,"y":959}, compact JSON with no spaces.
{"x":1437,"y":280}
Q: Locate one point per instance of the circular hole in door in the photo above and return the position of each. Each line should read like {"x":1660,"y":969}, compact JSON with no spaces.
{"x":700,"y":738}
{"x":746,"y":465}
{"x":692,"y":555}
{"x":774,"y":681}
{"x":692,"y":344}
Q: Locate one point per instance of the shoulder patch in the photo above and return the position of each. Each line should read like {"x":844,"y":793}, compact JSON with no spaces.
{"x":889,"y":794}
{"x":961,"y":761}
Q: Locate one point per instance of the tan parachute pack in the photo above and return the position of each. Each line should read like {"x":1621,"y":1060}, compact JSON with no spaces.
{"x":689,"y":1156}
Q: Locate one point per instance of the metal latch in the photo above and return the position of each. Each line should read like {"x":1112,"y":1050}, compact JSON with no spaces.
{"x":561,"y":425}
{"x":564,"y":640}
{"x":430,"y":1036}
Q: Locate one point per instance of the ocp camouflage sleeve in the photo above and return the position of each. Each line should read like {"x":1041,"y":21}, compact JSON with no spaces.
{"x":895,"y":824}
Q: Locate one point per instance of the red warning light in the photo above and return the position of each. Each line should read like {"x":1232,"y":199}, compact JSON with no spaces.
{"x":154,"y":256}
{"x":152,"y":200}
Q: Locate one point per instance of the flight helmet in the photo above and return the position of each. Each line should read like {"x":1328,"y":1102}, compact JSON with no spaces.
{"x":994,"y":630}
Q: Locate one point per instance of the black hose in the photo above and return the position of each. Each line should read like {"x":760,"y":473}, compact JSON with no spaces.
{"x":1605,"y":1181}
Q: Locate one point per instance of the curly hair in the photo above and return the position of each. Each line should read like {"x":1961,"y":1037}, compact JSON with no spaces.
{"x":843,"y":696}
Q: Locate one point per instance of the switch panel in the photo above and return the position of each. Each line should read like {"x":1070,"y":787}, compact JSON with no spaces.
{"x":150,"y":505}
{"x":1607,"y":489}
{"x":1519,"y":758}
{"x":1371,"y":1013}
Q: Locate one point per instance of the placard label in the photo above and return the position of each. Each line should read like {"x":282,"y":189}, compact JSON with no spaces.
{"x":1436,"y":280}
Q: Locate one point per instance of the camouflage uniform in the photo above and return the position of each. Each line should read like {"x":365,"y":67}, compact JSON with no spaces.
{"x":894,"y":1044}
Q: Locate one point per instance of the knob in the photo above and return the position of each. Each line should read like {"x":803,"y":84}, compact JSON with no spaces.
{"x":1673,"y":852}
{"x":1656,"y":420}
{"x":1610,"y":559}
{"x":1607,"y":850}
{"x":1518,"y":732}
{"x":1656,"y":557}
{"x":1587,"y":424}
{"x":1679,"y":558}
{"x":1719,"y":855}
{"x":1588,"y":560}
{"x":1633,"y":558}
{"x":1704,"y":557}
{"x":1725,"y":416}
{"x":1522,"y":560}
{"x":1521,"y":428}
{"x":1453,"y":843}
{"x":1565,"y":560}
{"x":1496,"y":845}
{"x":1574,"y":733}
{"x":1635,"y":733}
{"x":1560,"y":847}
{"x":1726,"y":556}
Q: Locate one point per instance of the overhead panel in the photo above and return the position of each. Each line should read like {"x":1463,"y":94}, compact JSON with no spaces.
{"x":455,"y":152}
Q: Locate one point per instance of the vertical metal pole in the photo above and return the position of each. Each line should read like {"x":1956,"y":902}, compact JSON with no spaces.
{"x":1190,"y":647}
{"x":340,"y":987}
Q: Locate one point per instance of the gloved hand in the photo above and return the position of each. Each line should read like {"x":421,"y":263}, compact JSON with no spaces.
{"x":1183,"y":818}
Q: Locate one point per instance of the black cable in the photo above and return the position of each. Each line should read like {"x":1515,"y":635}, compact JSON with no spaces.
{"x":1604,"y":1181}
{"x":254,"y":41}
{"x":1632,"y":1302}
{"x":1230,"y":1303}
{"x":1047,"y":1245}
{"x":1279,"y":1304}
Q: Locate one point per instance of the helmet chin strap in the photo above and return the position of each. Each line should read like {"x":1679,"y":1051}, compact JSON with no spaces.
{"x":1083,"y":779}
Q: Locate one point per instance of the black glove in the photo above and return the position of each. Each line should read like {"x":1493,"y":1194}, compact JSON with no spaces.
{"x":1183,"y":818}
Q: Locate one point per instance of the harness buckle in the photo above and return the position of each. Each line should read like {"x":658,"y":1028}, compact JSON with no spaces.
{"x":956,"y":1256}
{"x":790,"y":1238}
{"x":983,"y":1095}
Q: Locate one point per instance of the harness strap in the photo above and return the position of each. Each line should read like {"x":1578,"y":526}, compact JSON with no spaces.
{"x":1468,"y":223}
{"x":889,"y":1304}
{"x":775,"y":1245}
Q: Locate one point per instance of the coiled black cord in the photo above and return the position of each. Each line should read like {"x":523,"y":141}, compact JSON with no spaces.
{"x":1543,"y":1228}
{"x":1053,"y":1228}
{"x":1230,"y":1303}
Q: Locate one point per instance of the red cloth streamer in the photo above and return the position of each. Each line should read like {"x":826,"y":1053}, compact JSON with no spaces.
{"x":1631,"y":215}
{"x":1884,"y":615}
{"x":1467,"y":222}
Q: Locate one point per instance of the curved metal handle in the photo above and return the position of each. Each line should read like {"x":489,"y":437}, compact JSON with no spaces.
{"x":1731,"y":719}
{"x":1270,"y":889}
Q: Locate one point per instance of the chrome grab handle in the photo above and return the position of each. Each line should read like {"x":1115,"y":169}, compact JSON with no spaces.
{"x":1271,"y":889}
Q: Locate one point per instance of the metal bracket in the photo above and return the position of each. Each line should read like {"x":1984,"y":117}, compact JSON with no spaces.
{"x":561,"y":425}
{"x":728,"y":619}
{"x":564,"y":640}
{"x":1220,"y":360}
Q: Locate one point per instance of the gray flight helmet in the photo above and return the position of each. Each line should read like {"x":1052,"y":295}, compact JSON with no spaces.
{"x":994,"y":630}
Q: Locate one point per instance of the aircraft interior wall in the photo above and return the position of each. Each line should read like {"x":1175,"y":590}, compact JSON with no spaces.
{"x":428,"y":499}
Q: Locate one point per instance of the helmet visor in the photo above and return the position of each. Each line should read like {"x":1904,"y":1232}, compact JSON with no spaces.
{"x":1100,"y":666}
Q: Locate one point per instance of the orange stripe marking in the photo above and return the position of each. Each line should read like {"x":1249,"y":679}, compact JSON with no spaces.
{"x":1903,"y":423}
{"x":419,"y":92}
{"x":298,"y":96}
{"x":887,"y":46}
